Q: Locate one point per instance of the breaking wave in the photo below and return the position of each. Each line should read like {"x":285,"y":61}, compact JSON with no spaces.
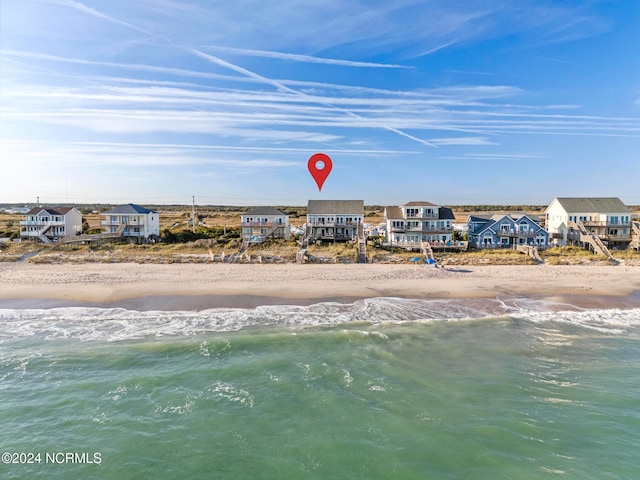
{"x":113,"y":324}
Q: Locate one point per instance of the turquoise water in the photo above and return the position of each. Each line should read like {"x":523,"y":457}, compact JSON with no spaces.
{"x":386,"y":388}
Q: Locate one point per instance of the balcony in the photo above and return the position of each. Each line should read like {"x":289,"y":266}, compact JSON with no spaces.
{"x":117,"y":223}
{"x":262,"y":224}
{"x":616,"y":238}
{"x":519,"y":234}
{"x":41,"y":223}
{"x":426,"y":215}
{"x":442,"y":229}
{"x":595,"y":223}
{"x":340,"y":237}
{"x":333,"y":224}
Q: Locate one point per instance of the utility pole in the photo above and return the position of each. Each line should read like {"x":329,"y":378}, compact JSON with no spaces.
{"x":38,"y":201}
{"x":193,"y":212}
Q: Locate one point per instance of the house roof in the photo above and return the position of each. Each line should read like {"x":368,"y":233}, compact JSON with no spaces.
{"x":335,"y":207}
{"x":593,"y":204}
{"x":445,"y":213}
{"x":64,"y":210}
{"x":129,"y":208}
{"x":478,"y":218}
{"x":265,"y":211}
{"x":420,"y":204}
{"x":490,"y":223}
{"x":50,"y":210}
{"x":394,"y":213}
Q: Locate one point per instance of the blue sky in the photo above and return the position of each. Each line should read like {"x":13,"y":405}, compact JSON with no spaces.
{"x":450,"y":101}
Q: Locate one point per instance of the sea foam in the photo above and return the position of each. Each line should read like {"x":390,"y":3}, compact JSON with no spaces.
{"x":114,"y":324}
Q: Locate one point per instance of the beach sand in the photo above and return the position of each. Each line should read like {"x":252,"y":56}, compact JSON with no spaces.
{"x":198,"y":286}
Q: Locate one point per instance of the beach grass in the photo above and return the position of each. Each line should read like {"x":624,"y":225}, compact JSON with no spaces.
{"x":280,"y":251}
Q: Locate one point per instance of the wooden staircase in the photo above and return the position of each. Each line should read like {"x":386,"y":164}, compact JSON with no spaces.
{"x":593,"y":242}
{"x":425,"y":248}
{"x":41,"y":234}
{"x":272,"y":230}
{"x":362,"y":245}
{"x":304,"y":244}
{"x":531,"y":251}
{"x":635,"y":235}
{"x":236,"y":257}
{"x":94,"y":237}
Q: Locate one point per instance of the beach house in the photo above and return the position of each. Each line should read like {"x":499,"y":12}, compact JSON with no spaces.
{"x":47,"y":224}
{"x":132,"y":221}
{"x":585,"y":220}
{"x":262,"y":222}
{"x":505,"y":231}
{"x":415,"y":222}
{"x":335,"y":220}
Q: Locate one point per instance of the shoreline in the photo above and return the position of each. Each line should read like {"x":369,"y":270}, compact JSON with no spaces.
{"x":147,"y":286}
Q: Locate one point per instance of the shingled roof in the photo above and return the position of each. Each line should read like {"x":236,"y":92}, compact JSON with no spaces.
{"x":335,"y":207}
{"x":50,"y":210}
{"x":593,"y":205}
{"x":264,"y":211}
{"x":419,"y":204}
{"x":445,"y":213}
{"x":393,"y":213}
{"x":128,"y":209}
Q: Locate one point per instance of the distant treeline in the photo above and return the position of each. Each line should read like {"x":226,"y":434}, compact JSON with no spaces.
{"x":498,"y":208}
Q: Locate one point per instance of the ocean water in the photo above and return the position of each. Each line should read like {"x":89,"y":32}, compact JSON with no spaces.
{"x":382,"y":388}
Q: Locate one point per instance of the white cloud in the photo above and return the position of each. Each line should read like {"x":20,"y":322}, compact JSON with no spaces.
{"x":92,"y":11}
{"x":303,"y":58}
{"x":474,"y":141}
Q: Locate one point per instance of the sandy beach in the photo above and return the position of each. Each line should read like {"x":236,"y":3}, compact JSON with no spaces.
{"x":113,"y":283}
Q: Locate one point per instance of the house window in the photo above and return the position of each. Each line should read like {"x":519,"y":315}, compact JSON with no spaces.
{"x":412,"y":212}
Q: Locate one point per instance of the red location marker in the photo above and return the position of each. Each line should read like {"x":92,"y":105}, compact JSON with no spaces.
{"x":320,"y":167}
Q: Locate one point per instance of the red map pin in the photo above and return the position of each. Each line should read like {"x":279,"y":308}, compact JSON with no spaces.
{"x":320,"y":167}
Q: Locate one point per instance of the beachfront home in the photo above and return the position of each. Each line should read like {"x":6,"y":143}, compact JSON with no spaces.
{"x":335,"y":220}
{"x":576,"y":220}
{"x":416,"y":222}
{"x":132,"y":221}
{"x":505,"y":231}
{"x":263,"y":222}
{"x":46,"y":224}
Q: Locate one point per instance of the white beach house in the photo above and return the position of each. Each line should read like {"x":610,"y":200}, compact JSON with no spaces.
{"x":420,"y":221}
{"x":574,"y":219}
{"x":132,"y":221}
{"x":263,"y":222}
{"x":46,"y":224}
{"x":335,"y":220}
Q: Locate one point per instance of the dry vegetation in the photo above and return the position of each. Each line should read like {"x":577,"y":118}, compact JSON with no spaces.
{"x":274,"y":251}
{"x":571,"y":256}
{"x":498,"y":256}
